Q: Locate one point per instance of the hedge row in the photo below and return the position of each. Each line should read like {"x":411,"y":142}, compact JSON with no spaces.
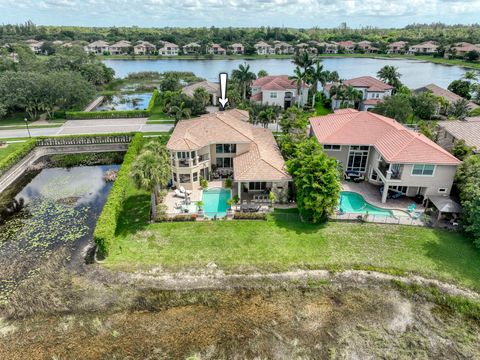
{"x":104,"y":233}
{"x":14,"y":157}
{"x":115,"y":114}
{"x":250,"y":216}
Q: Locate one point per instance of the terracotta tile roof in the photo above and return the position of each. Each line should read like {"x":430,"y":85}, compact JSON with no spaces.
{"x":263,"y":160}
{"x":397,"y":44}
{"x":257,"y":97}
{"x":371,"y":101}
{"x":394,"y":142}
{"x":368,"y":82}
{"x":275,"y":82}
{"x":211,"y":87}
{"x":446,"y":94}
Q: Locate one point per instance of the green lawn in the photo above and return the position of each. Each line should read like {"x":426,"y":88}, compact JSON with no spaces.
{"x":320,"y":109}
{"x":158,"y":114}
{"x":5,"y":151}
{"x":283,"y":243}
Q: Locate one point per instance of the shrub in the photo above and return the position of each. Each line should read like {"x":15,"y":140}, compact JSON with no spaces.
{"x":176,"y":218}
{"x":250,"y":216}
{"x":228,"y":183}
{"x":104,"y":233}
{"x":10,"y":160}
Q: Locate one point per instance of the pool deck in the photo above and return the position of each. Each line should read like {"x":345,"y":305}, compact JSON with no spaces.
{"x":172,"y":201}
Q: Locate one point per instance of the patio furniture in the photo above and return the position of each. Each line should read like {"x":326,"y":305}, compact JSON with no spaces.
{"x":411,"y":208}
{"x":179,"y":194}
{"x":355,"y":176}
{"x":182,"y":190}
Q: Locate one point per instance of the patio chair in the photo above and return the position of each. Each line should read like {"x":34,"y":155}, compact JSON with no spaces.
{"x":179,"y":194}
{"x":182,"y":190}
{"x":411,"y":208}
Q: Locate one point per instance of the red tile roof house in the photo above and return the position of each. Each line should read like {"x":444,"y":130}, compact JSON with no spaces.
{"x":461,"y":49}
{"x":428,"y":47}
{"x":387,"y":153}
{"x":225,"y":141}
{"x":367,"y":47}
{"x":237,"y":48}
{"x":347,"y":46}
{"x":397,"y":47}
{"x":264,"y":48}
{"x":278,"y":90}
{"x":216,"y":49}
{"x":373,"y":91}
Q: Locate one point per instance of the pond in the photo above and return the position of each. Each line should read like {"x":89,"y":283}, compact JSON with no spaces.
{"x":60,"y":210}
{"x":414,"y":73}
{"x":125,"y":102}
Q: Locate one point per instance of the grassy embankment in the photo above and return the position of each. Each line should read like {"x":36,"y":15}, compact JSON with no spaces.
{"x":283,"y":242}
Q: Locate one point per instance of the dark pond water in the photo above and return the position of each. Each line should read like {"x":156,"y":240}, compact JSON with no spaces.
{"x":414,"y":73}
{"x":125,"y":102}
{"x":61,"y":209}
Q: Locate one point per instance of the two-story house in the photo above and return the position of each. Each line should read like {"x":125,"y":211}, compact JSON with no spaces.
{"x":347,"y":46}
{"x":35,"y":46}
{"x":216,"y":49}
{"x":397,"y":47}
{"x":386,"y":153}
{"x":192,"y":48}
{"x":283,"y":48}
{"x":278,"y":90}
{"x":237,"y":48}
{"x":264,"y":48}
{"x":226,"y":144}
{"x":428,"y":47}
{"x":373,"y":91}
{"x":144,"y":48}
{"x":98,"y":47}
{"x":168,"y":49}
{"x":367,"y":47}
{"x":119,"y":48}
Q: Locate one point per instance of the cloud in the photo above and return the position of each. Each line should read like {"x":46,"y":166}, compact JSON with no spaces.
{"x":297,"y":13}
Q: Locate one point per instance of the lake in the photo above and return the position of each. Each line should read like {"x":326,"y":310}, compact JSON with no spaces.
{"x":125,"y":102}
{"x":414,"y":73}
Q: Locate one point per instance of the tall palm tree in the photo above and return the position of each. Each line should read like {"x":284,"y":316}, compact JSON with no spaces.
{"x":267,"y":116}
{"x":346,"y":94}
{"x":299,"y":77}
{"x":303,"y":60}
{"x":390,"y":75}
{"x":317,"y":75}
{"x":180,"y":112}
{"x":471,"y":75}
{"x":244,"y":77}
{"x":152,"y":167}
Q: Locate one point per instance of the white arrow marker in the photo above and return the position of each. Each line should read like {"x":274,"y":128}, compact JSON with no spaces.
{"x":223,"y":89}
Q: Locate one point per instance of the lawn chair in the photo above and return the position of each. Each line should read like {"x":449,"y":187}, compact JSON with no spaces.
{"x":411,"y":208}
{"x":183,"y":191}
{"x":179,"y":194}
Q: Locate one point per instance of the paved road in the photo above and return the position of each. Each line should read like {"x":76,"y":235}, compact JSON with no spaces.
{"x":79,"y":127}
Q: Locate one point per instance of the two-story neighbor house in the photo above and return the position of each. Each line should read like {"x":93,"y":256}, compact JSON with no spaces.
{"x":367,"y":47}
{"x":428,"y":47}
{"x":347,"y":46}
{"x":397,"y":47}
{"x":237,"y":48}
{"x":278,"y":90}
{"x":373,"y":91}
{"x":226,"y":143}
{"x":264,"y":48}
{"x":168,"y":49}
{"x":119,"y":48}
{"x":283,"y":48}
{"x":386,"y":153}
{"x":192,"y":48}
{"x":98,"y":47}
{"x":144,"y":48}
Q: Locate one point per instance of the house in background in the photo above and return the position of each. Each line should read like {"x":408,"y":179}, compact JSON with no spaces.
{"x":192,"y":48}
{"x":303,"y":47}
{"x":168,"y":49}
{"x":237,"y":48}
{"x":212,"y":88}
{"x":450,"y":131}
{"x":216,"y":49}
{"x":144,"y":48}
{"x":35,"y":46}
{"x":326,"y":48}
{"x":264,"y":48}
{"x":426,"y":48}
{"x":278,"y":90}
{"x":98,"y":47}
{"x":347,"y":46}
{"x":397,"y":47}
{"x":367,"y":47}
{"x":461,"y":49}
{"x":373,"y":91}
{"x":449,"y":96}
{"x":226,"y":143}
{"x":283,"y":48}
{"x":120,"y":48}
{"x":386,"y":153}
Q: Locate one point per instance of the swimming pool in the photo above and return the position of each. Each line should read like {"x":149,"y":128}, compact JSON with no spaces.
{"x":354,"y":203}
{"x":215,"y":202}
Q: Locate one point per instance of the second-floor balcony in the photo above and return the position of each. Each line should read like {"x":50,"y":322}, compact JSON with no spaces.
{"x":390,"y":171}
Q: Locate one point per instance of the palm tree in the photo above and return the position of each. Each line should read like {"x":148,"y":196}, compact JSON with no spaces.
{"x":267,"y":116}
{"x":299,"y":77}
{"x":152,"y":167}
{"x":390,"y":75}
{"x":346,"y":94}
{"x":317,"y":74}
{"x":471,"y":75}
{"x":303,"y":60}
{"x":262,"y":73}
{"x":180,"y":112}
{"x":244,"y":77}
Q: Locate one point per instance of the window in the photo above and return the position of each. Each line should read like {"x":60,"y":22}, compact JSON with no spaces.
{"x":224,"y":162}
{"x":185,"y":155}
{"x":273,"y":95}
{"x":357,"y":158}
{"x":174,"y":176}
{"x":257,"y":186}
{"x":226,"y":148}
{"x":184,"y":178}
{"x":332,"y":147}
{"x":423,"y":169}
{"x":195,"y":176}
{"x":442,"y":190}
{"x":402,"y":189}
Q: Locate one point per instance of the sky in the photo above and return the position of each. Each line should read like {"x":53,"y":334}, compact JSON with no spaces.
{"x":223,"y":13}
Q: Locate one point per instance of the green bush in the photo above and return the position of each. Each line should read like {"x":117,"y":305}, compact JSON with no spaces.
{"x":104,"y":233}
{"x":250,"y":216}
{"x":115,"y":114}
{"x":10,"y":160}
{"x":176,"y":218}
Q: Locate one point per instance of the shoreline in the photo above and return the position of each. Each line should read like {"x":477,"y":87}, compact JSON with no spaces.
{"x":420,"y":58}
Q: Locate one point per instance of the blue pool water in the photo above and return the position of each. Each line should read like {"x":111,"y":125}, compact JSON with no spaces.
{"x":215,"y":202}
{"x":354,"y":203}
{"x":125,"y":102}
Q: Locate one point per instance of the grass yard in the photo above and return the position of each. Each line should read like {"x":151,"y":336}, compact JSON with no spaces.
{"x":321,"y":110}
{"x":283,"y":243}
{"x":5,"y":151}
{"x":158,"y":114}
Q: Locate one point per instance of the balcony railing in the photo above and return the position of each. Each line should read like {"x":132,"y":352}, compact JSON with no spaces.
{"x":202,"y":158}
{"x":390,"y":173}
